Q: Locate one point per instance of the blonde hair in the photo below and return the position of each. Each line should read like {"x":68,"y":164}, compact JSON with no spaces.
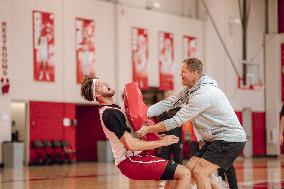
{"x":194,"y":64}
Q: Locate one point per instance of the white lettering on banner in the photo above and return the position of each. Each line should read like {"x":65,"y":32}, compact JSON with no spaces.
{"x":4,"y":80}
{"x":37,"y":28}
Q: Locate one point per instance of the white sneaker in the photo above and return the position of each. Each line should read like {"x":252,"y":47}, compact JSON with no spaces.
{"x":162,"y":184}
{"x":224,"y":184}
{"x":192,"y":186}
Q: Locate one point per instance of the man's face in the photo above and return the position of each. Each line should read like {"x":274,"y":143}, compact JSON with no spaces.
{"x":103,"y":89}
{"x":188,"y":77}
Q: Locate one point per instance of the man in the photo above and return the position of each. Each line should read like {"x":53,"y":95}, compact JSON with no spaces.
{"x":129,"y":159}
{"x":212,"y":115}
{"x":174,"y":149}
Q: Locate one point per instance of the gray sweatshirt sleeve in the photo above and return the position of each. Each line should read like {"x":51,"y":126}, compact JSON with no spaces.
{"x":167,"y":104}
{"x":197,"y":134}
{"x":195,"y":105}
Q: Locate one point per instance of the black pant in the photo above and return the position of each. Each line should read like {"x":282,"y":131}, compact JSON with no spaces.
{"x":231,"y":176}
{"x":230,"y":172}
{"x":194,"y":147}
{"x":174,"y":149}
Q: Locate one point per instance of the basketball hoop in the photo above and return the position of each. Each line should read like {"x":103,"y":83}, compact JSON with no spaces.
{"x":253,"y":80}
{"x":250,"y":86}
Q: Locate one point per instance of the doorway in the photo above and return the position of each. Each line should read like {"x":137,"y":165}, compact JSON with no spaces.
{"x":89,"y":131}
{"x":20,"y":126}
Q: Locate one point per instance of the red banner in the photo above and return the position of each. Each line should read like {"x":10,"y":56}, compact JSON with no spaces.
{"x":166,"y":60}
{"x":85,"y":48}
{"x":282,"y":70}
{"x":139,"y":46}
{"x":4,"y":79}
{"x":43,"y":46}
{"x":189,"y":46}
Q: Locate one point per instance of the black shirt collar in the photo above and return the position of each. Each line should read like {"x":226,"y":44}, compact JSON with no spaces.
{"x":110,"y":105}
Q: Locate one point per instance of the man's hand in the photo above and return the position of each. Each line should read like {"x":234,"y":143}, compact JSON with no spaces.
{"x":281,"y":139}
{"x":145,"y":129}
{"x":149,"y":122}
{"x":168,"y":140}
{"x":142,"y":131}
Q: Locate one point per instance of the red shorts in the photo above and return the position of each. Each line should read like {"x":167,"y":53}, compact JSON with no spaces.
{"x":146,"y":167}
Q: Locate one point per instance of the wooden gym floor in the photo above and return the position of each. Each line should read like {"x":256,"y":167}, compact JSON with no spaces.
{"x":252,"y":173}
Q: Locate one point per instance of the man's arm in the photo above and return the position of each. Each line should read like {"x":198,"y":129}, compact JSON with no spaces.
{"x":133,"y":144}
{"x":157,"y":128}
{"x":115,"y":122}
{"x":194,"y":107}
{"x":167,"y":104}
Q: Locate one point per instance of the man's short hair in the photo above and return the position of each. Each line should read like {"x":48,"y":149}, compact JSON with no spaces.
{"x":87,"y":88}
{"x":194,"y":64}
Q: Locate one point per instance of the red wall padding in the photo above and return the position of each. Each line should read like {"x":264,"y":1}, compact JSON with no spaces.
{"x":89,"y":131}
{"x":240,"y":116}
{"x":280,"y":16}
{"x":46,"y":122}
{"x":258,"y":133}
{"x":70,"y":132}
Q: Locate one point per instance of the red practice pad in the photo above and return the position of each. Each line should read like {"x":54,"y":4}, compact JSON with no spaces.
{"x":136,"y":110}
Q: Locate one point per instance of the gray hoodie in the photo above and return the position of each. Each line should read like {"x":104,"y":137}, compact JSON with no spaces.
{"x":207,"y":107}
